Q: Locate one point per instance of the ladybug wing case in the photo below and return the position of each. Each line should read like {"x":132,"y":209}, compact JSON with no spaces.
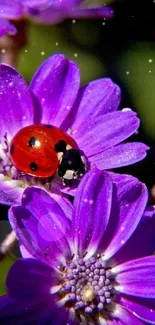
{"x":32,"y":152}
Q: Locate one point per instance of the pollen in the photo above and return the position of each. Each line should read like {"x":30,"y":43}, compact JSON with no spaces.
{"x":88,"y":294}
{"x":86,"y":285}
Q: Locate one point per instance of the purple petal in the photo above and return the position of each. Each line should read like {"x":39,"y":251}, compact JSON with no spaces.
{"x":46,"y":4}
{"x":55,"y":86}
{"x":122,"y":316}
{"x":15,"y":102}
{"x":64,"y":204}
{"x":106,"y":131}
{"x":34,"y":2}
{"x":121,"y":155}
{"x":41,"y":226}
{"x":102,"y":12}
{"x":143,"y":312}
{"x":137,"y":277}
{"x":47,"y":15}
{"x":13,"y":312}
{"x":9,"y":11}
{"x":55,"y":192}
{"x":118,"y":178}
{"x":52,"y":201}
{"x":10,"y":191}
{"x":142,"y":242}
{"x":129,"y":201}
{"x":30,"y":279}
{"x":91,"y":211}
{"x":95,"y":99}
{"x":57,"y":316}
{"x":6,"y":27}
{"x":60,"y":10}
{"x":24,"y":252}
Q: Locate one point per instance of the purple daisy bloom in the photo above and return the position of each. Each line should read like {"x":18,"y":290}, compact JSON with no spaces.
{"x":9,"y":11}
{"x":46,"y":12}
{"x":92,"y":264}
{"x":89,"y":115}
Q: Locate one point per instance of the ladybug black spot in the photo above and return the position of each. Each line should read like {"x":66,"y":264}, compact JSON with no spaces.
{"x":33,"y":166}
{"x":12,"y":148}
{"x":32,"y":142}
{"x":60,"y":146}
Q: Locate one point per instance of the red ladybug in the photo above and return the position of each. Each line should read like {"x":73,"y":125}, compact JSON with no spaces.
{"x":41,"y":150}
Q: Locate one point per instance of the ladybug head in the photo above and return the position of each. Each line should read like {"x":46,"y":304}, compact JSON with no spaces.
{"x":72,"y":165}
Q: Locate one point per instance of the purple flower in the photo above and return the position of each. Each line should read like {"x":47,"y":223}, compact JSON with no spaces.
{"x":92,"y":264}
{"x":88,"y":114}
{"x":9,"y":11}
{"x":47,"y":12}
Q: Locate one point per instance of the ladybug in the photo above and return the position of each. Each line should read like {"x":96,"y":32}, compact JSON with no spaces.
{"x":42,"y":150}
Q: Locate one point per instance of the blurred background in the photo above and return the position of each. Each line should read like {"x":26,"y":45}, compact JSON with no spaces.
{"x":122,"y":49}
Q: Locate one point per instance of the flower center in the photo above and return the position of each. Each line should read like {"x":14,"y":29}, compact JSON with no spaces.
{"x":87,"y":285}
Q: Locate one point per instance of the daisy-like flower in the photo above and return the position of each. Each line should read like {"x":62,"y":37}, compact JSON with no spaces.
{"x":89,"y":115}
{"x":46,"y":12}
{"x":92,"y":263}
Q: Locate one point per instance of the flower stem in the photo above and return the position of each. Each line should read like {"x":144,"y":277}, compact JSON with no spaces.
{"x":7,"y":244}
{"x":10,"y":46}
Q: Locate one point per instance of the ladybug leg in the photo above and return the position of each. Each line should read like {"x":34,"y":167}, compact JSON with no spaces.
{"x":66,"y":182}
